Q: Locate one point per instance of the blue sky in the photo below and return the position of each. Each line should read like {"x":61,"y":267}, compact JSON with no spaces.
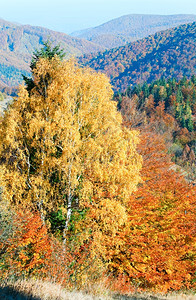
{"x":70,"y":15}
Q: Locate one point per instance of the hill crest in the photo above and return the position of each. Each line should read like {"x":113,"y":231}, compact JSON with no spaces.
{"x":129,"y":28}
{"x":169,"y":53}
{"x":18,"y":42}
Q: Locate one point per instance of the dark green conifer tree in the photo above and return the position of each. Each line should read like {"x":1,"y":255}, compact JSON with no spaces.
{"x":47,"y":51}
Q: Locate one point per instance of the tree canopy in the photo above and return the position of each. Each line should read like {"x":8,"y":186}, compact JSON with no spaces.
{"x":63,"y":145}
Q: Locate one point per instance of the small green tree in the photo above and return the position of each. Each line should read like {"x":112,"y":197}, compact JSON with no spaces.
{"x":190,"y":126}
{"x":46,"y":52}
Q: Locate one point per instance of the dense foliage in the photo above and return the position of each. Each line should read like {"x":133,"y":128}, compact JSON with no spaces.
{"x":169,"y":109}
{"x":158,"y":243}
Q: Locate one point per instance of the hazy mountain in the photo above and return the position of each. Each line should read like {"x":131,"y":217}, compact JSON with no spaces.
{"x":130,"y":28}
{"x":170,"y":53}
{"x":17,"y":43}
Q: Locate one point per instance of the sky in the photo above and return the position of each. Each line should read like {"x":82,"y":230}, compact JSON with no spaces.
{"x":71,"y":15}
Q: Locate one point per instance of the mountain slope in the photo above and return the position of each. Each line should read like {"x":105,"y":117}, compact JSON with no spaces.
{"x":168,"y":108}
{"x":167,"y":53}
{"x":129,"y":28}
{"x":17,"y":43}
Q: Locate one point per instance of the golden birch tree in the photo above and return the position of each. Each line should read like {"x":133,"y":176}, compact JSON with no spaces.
{"x":63,"y":145}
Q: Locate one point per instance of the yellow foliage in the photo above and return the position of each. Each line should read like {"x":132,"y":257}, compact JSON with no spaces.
{"x":64,"y":145}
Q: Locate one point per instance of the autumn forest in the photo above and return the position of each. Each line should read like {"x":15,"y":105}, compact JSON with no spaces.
{"x":98,"y":166}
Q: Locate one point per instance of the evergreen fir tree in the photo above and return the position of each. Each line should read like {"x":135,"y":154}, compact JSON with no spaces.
{"x":46,"y":52}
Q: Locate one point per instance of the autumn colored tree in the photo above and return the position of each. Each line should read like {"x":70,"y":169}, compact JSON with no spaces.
{"x":27,"y":250}
{"x":63,"y":145}
{"x":158,"y":243}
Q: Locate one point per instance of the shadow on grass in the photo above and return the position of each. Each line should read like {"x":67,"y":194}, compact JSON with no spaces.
{"x":138,"y":297}
{"x":9,"y":293}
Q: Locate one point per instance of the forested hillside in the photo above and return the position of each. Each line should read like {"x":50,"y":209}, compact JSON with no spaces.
{"x":17,"y":43}
{"x":169,"y":53}
{"x":129,"y":28}
{"x":167,"y":108}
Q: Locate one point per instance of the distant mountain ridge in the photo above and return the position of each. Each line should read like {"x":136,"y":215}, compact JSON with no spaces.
{"x":129,"y":28}
{"x":17,"y":43}
{"x":170,"y":53}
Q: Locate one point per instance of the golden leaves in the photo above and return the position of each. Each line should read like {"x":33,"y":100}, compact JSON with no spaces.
{"x":64,"y":146}
{"x":72,"y":129}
